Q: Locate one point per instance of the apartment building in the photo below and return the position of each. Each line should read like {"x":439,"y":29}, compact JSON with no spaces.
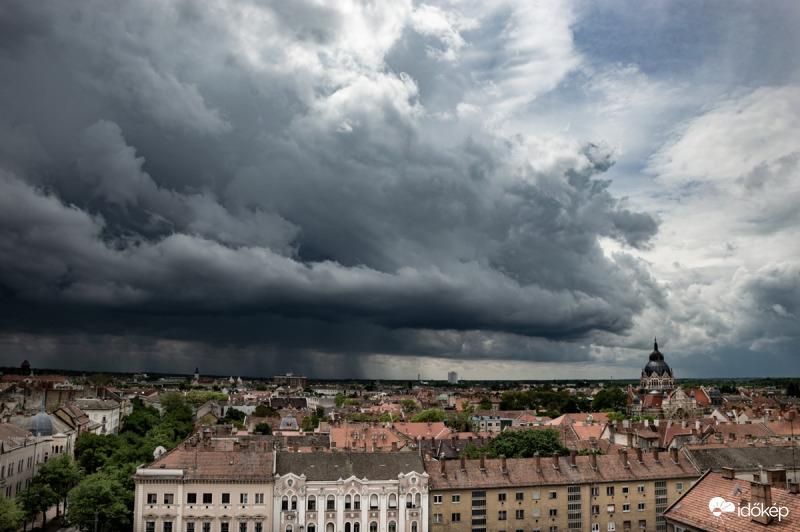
{"x":608,"y":493}
{"x":350,"y":492}
{"x":207,"y":484}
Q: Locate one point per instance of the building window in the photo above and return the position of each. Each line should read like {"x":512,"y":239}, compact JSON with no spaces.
{"x":310,"y":528}
{"x":226,"y":498}
{"x":224,"y":527}
{"x":610,"y":490}
{"x":357,"y":502}
{"x":393,"y":500}
{"x":520,"y":514}
{"x":347,"y":502}
{"x":207,"y":498}
{"x":168,"y":526}
{"x":393,"y":525}
{"x":626,"y":507}
{"x":595,"y":492}
{"x":679,"y":486}
{"x":537,"y":495}
{"x":642,"y":507}
{"x":373,"y":501}
{"x":595,"y":509}
{"x":437,"y":499}
{"x":191,"y":498}
{"x":626,"y":525}
{"x":625,"y":490}
{"x":553,"y":512}
{"x":437,"y":518}
{"x":612,"y":526}
{"x":456,"y":518}
{"x":456,"y":498}
{"x":259,"y":498}
{"x":640,"y":488}
{"x":553,"y":528}
{"x":373,"y":526}
{"x":536,"y":513}
{"x":260,"y":527}
{"x":642,"y":524}
{"x":595,"y":527}
{"x":294,"y":503}
{"x":331,"y":503}
{"x":501,"y":515}
{"x":189,"y":527}
{"x":501,"y":497}
{"x":243,"y":498}
{"x":610,"y":508}
{"x":553,"y":494}
{"x":152,"y":498}
{"x":150,"y":526}
{"x":169,"y":498}
{"x":312,"y":503}
{"x":206,"y":527}
{"x":242,"y":527}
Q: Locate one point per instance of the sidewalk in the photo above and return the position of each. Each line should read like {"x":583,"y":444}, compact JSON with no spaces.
{"x":51,"y":525}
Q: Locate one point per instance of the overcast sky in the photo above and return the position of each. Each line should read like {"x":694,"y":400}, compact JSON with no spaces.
{"x":518,"y":190}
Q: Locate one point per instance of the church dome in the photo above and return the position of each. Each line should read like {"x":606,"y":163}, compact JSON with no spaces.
{"x":41,"y":425}
{"x":656,"y":364}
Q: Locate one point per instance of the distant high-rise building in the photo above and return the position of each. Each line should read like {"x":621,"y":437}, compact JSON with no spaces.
{"x":452,"y":377}
{"x":291,"y":380}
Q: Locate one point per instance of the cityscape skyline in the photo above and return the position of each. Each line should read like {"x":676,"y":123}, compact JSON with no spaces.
{"x":357,"y":191}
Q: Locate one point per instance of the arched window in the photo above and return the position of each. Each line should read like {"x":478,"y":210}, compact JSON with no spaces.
{"x":294,"y":502}
{"x":288,"y":528}
{"x":285,"y":503}
{"x":392,"y":526}
{"x":392,"y":500}
{"x":409,"y":500}
{"x":311,"y":527}
{"x":357,"y":502}
{"x":312,"y":503}
{"x":414,"y":526}
{"x":347,"y":527}
{"x":330,"y":527}
{"x":417,"y":500}
{"x":331,"y":503}
{"x":373,"y":501}
{"x":373,"y":527}
{"x":356,"y":527}
{"x":347,"y":505}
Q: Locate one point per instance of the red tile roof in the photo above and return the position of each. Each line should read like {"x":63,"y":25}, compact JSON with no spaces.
{"x":694,"y":508}
{"x":523,"y":471}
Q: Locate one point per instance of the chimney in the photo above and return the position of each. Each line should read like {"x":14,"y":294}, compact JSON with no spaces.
{"x":441,"y":467}
{"x":503,"y":464}
{"x":794,"y":488}
{"x":483,"y":462}
{"x":697,"y":424}
{"x":626,"y":423}
{"x":630,"y":440}
{"x":333,"y":444}
{"x":639,"y":454}
{"x":655,"y":422}
{"x":673,"y":453}
{"x":453,"y":441}
{"x":731,"y":436}
{"x":776,"y":478}
{"x":761,"y":495}
{"x":537,"y":461}
{"x":572,"y":454}
{"x":623,"y":456}
{"x":555,"y":460}
{"x":593,"y":460}
{"x":463,"y":463}
{"x":683,"y":424}
{"x":728,"y":473}
{"x":655,"y":455}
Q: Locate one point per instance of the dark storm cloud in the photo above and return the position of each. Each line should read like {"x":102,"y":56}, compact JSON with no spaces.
{"x":255,"y":176}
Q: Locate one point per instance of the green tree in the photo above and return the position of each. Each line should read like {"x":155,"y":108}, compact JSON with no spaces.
{"x":262,"y":428}
{"x":430,"y":415}
{"x":388,"y":418}
{"x":485,"y":404}
{"x":108,"y":496}
{"x":459,"y":421}
{"x":613,"y":398}
{"x":409,"y":405}
{"x":141,"y":419}
{"x":265,"y":411}
{"x":38,"y":498}
{"x":10,"y":515}
{"x":615,"y":416}
{"x":524,"y":443}
{"x":61,"y":474}
{"x":339,"y":399}
{"x":92,"y":450}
